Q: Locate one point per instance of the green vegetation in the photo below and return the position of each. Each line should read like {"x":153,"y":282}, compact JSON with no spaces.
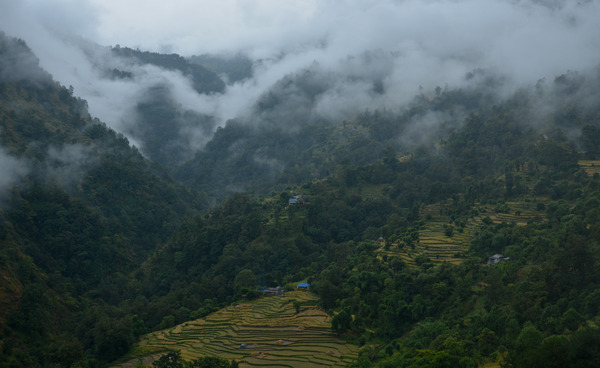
{"x":173,"y":359}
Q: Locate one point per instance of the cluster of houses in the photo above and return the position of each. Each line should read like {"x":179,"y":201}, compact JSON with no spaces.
{"x":296,"y":200}
{"x":278,"y":290}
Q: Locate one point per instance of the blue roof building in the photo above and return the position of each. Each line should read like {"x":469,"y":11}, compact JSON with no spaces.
{"x":303,"y":285}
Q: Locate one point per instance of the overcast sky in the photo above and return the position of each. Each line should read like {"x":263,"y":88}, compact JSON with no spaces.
{"x":562,"y":34}
{"x":424,"y":43}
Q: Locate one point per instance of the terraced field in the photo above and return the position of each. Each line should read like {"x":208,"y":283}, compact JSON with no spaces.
{"x":591,"y":167}
{"x":517,"y":212}
{"x":273,"y":332}
{"x":434,"y":244}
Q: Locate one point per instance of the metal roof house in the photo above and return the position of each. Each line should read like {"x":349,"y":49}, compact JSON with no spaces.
{"x":497,"y":258}
{"x":303,"y":286}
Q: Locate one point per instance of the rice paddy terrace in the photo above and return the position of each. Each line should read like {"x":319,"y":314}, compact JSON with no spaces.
{"x":438,"y":245}
{"x":271,"y":331}
{"x":591,"y":167}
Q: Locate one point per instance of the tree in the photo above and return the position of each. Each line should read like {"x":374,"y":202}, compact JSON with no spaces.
{"x":244,"y":281}
{"x":173,"y":360}
{"x":553,"y":352}
{"x":583,"y":348}
{"x":342,"y":321}
{"x":169,"y":360}
{"x":211,"y":362}
{"x":526,"y":353}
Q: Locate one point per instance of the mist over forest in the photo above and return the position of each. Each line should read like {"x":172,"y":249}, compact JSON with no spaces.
{"x":329,"y":62}
{"x":160,"y":162}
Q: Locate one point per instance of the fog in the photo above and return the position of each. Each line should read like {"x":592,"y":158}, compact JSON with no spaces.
{"x":68,"y":163}
{"x":12,"y":169}
{"x":355,"y":54}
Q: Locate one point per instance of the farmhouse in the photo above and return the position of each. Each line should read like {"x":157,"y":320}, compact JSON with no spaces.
{"x":497,"y":258}
{"x":297,"y":199}
{"x":303,"y":286}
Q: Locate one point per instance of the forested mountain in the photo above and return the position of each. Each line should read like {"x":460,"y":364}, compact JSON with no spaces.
{"x":284,"y":142}
{"x":80,"y":209}
{"x":162,"y":125}
{"x":203,"y":80}
{"x":236,"y":68}
{"x":100,"y":245}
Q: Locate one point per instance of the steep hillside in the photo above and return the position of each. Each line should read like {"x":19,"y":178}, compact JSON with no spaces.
{"x":80,"y":208}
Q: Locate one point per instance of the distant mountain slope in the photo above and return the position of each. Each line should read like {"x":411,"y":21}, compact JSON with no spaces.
{"x":283,"y":141}
{"x":236,"y":68}
{"x":167,"y":131}
{"x":203,"y":79}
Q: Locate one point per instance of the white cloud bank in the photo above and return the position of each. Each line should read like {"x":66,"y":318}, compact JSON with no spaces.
{"x":405,"y":44}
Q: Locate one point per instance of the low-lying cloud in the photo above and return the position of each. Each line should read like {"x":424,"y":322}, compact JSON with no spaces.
{"x":68,"y":164}
{"x":12,"y":170}
{"x":364,"y":54}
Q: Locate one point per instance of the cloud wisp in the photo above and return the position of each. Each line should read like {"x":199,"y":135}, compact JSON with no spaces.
{"x":12,"y":170}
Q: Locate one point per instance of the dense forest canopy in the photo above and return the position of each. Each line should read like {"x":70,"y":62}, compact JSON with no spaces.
{"x":101,"y":244}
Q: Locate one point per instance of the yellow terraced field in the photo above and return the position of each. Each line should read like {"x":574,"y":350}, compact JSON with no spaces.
{"x":590,"y":166}
{"x":439,"y":248}
{"x":519,"y":212}
{"x":274,"y":333}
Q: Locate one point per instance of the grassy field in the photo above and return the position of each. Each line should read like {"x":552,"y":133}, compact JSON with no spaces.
{"x":274,"y":333}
